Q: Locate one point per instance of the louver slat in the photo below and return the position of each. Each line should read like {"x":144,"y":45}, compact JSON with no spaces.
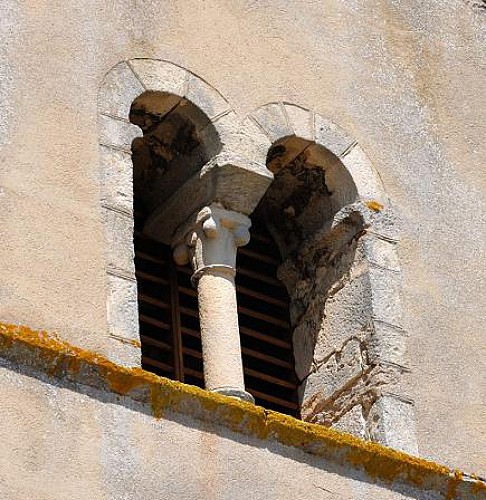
{"x":169,"y":321}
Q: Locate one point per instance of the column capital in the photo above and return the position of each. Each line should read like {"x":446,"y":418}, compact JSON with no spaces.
{"x":210,"y":239}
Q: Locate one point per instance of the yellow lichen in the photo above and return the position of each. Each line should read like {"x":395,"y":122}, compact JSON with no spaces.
{"x":156,"y":401}
{"x":123,"y":340}
{"x":56,"y":357}
{"x":478,"y":486}
{"x":374,"y":205}
{"x":123,"y":382}
{"x":454,"y":482}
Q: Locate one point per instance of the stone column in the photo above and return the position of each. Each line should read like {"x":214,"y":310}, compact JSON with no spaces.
{"x":210,"y":241}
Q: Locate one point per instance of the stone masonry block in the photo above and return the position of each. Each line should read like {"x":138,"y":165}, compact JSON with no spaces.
{"x":385,"y":289}
{"x":116,"y":179}
{"x":338,"y":371}
{"x":274,"y":121}
{"x":388,"y":343}
{"x":119,"y":235}
{"x":215,"y":183}
{"x":117,"y":133}
{"x":391,"y":379}
{"x":352,"y":422}
{"x":227,"y":127}
{"x":118,"y":91}
{"x":382,"y":253}
{"x":347,"y":313}
{"x":161,"y":76}
{"x":122,"y":309}
{"x":364,"y":175}
{"x":331,"y":136}
{"x":391,"y":422}
{"x":385,"y":223}
{"x":206,"y":97}
{"x":301,"y":120}
{"x":124,"y":353}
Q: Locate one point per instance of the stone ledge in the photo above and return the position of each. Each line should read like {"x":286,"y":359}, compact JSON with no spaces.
{"x":46,"y":353}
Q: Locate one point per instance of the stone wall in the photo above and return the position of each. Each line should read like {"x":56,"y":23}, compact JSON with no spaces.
{"x":75,"y":425}
{"x":405,"y":80}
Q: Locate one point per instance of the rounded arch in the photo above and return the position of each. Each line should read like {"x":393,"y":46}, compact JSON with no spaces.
{"x":178,"y":141}
{"x":128,"y":79}
{"x":238,"y":146}
{"x":125,"y":90}
{"x":344,"y":282}
{"x":278,"y":120}
{"x":245,"y":145}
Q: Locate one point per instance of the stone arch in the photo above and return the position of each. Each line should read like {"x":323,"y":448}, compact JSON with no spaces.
{"x":371,"y":365}
{"x":279,"y":120}
{"x":129,"y":79}
{"x":243,"y":154}
{"x":121,"y":86}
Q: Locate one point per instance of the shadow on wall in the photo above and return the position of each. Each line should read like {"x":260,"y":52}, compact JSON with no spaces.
{"x":318,"y":252}
{"x":178,"y":139}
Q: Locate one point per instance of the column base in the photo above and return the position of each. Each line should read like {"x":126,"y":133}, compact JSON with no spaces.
{"x":235,"y":393}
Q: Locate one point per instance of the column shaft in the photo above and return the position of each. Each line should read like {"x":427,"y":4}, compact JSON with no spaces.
{"x":219,"y":331}
{"x":210,"y":242}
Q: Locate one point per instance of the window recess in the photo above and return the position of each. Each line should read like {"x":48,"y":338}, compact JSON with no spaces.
{"x":169,"y":319}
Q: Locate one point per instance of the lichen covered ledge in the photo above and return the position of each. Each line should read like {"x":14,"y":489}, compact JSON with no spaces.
{"x":47,"y":354}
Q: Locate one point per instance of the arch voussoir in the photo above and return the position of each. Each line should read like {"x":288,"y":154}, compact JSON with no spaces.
{"x":161,"y":76}
{"x":273,"y":121}
{"x":301,"y":120}
{"x":118,"y":90}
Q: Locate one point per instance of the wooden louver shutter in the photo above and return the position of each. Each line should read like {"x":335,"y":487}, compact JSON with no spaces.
{"x":169,"y":320}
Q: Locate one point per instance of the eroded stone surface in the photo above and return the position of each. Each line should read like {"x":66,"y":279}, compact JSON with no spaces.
{"x":333,"y":374}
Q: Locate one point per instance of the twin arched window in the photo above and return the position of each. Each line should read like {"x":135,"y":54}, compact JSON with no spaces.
{"x":343,"y":305}
{"x":178,"y":139}
{"x":298,"y":207}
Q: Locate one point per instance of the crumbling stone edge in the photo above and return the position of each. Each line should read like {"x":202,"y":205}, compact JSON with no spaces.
{"x":49,"y":355}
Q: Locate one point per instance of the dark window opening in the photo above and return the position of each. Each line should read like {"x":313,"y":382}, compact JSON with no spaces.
{"x":169,"y":321}
{"x":178,"y":139}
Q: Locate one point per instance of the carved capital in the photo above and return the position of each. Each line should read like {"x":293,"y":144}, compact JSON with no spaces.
{"x":210,"y":239}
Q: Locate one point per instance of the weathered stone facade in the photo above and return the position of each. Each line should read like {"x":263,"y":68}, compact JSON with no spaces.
{"x":367,"y":114}
{"x":335,"y":291}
